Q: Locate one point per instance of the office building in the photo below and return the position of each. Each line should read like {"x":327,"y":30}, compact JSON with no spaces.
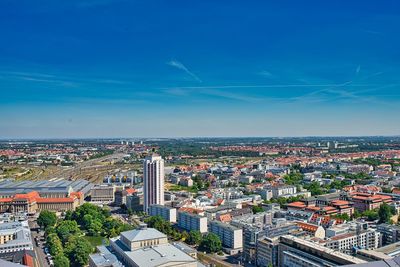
{"x":15,"y":236}
{"x":153,"y":180}
{"x":190,"y":221}
{"x":390,"y":233}
{"x":250,"y":236}
{"x":135,"y":202}
{"x":267,"y":251}
{"x":103,"y":194}
{"x":297,"y":252}
{"x":362,"y":239}
{"x":167,"y":213}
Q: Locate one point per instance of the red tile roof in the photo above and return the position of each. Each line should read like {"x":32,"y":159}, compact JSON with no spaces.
{"x":35,"y":197}
{"x":297,"y":204}
{"x":225,"y":217}
{"x":307,"y":226}
{"x":55,"y":200}
{"x":131,"y":190}
{"x":340,"y":202}
{"x":4,"y":200}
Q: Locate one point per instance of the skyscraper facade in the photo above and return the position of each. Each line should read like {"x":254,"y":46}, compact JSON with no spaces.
{"x":153,"y":179}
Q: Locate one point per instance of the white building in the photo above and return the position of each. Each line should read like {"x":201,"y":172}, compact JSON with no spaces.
{"x":230,"y":236}
{"x":364,"y":239}
{"x":15,"y":236}
{"x":167,"y":213}
{"x":189,"y":222}
{"x":283,"y":190}
{"x":153,"y":179}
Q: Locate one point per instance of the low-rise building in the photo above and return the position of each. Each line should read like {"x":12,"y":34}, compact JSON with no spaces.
{"x":147,"y":247}
{"x":32,"y":202}
{"x":367,"y":201}
{"x":15,"y":236}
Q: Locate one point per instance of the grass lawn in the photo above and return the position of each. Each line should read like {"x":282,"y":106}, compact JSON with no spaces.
{"x":96,"y":240}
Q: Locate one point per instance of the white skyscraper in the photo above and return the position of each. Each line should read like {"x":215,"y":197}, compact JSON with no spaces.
{"x":153,"y":179}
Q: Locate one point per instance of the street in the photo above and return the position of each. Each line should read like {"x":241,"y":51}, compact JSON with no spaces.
{"x":40,"y":255}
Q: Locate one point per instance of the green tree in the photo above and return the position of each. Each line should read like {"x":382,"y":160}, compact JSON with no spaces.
{"x":130,"y":212}
{"x":160,"y":224}
{"x":194,"y":238}
{"x":315,"y":189}
{"x":257,"y":209}
{"x":78,"y":249}
{"x":54,"y":244}
{"x":46,"y":219}
{"x":66,"y":229}
{"x":95,"y":227}
{"x":343,"y":216}
{"x":293,"y":178}
{"x":371,"y":215}
{"x":61,"y":261}
{"x":211,"y":243}
{"x":384,"y":213}
{"x":184,"y":236}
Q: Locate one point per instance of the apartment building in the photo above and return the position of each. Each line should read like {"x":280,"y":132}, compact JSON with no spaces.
{"x":390,"y":233}
{"x":190,"y":221}
{"x":362,"y":239}
{"x":167,"y":213}
{"x":231,"y":237}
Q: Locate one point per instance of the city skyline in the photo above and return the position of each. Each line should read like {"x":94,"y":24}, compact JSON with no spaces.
{"x":158,"y":69}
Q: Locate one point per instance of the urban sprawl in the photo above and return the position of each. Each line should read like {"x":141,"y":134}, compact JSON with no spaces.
{"x":286,"y":202}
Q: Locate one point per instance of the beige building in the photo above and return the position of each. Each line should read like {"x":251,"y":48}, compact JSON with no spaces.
{"x":147,"y":247}
{"x":103,"y":194}
{"x":32,"y":202}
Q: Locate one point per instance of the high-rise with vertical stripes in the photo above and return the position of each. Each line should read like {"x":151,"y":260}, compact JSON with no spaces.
{"x":153,"y":179}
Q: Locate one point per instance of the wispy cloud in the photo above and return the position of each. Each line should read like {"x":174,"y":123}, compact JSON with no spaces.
{"x":262,"y":86}
{"x":179,"y":65}
{"x":184,"y":92}
{"x":232,"y":96}
{"x":57,"y":79}
{"x":341,"y":92}
{"x":265,"y":73}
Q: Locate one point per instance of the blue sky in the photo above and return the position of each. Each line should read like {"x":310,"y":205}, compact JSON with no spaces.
{"x":102,"y":68}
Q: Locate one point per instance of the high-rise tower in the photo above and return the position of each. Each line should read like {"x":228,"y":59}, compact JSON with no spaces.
{"x":153,"y":179}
